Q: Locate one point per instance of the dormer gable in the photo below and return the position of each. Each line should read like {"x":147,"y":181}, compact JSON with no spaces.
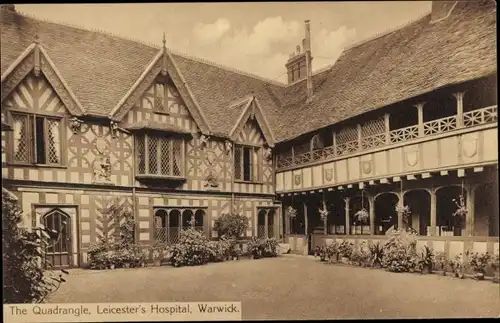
{"x":35,"y":68}
{"x":252,"y":126}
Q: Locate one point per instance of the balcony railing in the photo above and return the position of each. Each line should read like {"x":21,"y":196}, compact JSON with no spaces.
{"x":429,"y":128}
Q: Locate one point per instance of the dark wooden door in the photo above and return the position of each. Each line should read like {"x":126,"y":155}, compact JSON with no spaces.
{"x":58,"y":249}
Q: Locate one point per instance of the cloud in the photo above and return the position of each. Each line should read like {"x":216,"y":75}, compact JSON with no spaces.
{"x":210,"y":33}
{"x":264,"y":48}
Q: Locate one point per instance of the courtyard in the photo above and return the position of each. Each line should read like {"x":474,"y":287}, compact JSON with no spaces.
{"x":290,"y":287}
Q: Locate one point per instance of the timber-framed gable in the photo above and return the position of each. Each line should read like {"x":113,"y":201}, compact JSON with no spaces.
{"x":36,"y":59}
{"x":164,"y":66}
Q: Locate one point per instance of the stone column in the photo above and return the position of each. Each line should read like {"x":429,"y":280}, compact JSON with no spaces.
{"x":347,"y":217}
{"x":433,"y":212}
{"x":325,"y":223}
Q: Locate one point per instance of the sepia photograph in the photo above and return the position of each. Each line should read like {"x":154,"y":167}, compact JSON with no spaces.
{"x":249,"y":161}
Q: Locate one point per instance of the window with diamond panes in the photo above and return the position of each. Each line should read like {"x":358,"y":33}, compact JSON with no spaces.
{"x":36,"y":139}
{"x":247,"y":164}
{"x":160,"y":156}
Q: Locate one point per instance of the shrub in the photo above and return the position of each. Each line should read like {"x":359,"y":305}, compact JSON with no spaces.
{"x":457,"y":265}
{"x":231,"y":225}
{"x":327,"y":251}
{"x":25,"y":280}
{"x":259,"y":248}
{"x":192,"y":249}
{"x":400,"y":252}
{"x":220,"y":250}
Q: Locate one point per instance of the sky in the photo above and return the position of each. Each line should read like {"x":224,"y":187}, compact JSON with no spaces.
{"x":253,"y":37}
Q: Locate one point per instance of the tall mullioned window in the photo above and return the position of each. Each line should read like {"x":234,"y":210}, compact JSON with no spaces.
{"x":160,"y":155}
{"x":247,"y":164}
{"x":36,"y":139}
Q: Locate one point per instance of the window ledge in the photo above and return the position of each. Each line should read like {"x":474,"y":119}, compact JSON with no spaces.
{"x":249,"y":182}
{"x":159,"y":177}
{"x":36,"y":165}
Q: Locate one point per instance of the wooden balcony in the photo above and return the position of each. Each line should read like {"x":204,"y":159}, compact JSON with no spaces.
{"x":383,"y":140}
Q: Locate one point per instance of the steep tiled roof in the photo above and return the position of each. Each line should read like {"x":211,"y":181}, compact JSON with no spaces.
{"x":418,"y":58}
{"x":405,"y":63}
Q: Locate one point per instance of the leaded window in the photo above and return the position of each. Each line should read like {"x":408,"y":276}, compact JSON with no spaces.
{"x":160,"y":95}
{"x":247,"y":164}
{"x":160,"y":155}
{"x":36,"y":139}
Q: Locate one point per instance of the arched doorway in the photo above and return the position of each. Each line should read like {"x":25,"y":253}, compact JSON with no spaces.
{"x":174,"y":226}
{"x":161,"y":221}
{"x":261,"y":223}
{"x":446,"y":204}
{"x":199,"y":215}
{"x":356,"y":204}
{"x":270,"y":223}
{"x":187,"y":218}
{"x":336,"y":216}
{"x":486,"y":211}
{"x":386,"y":216}
{"x":58,"y":248}
{"x":419,"y":219}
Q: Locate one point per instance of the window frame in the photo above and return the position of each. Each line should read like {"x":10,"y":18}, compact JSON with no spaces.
{"x":255,"y":167}
{"x":160,"y":137}
{"x":31,"y":139}
{"x":164,"y":84}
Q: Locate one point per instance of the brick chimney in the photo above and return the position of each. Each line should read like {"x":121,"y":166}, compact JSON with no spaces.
{"x":441,"y":9}
{"x":298,"y":65}
{"x":8,"y":7}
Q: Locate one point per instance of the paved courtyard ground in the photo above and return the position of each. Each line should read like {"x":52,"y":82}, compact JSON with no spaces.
{"x":290,"y":287}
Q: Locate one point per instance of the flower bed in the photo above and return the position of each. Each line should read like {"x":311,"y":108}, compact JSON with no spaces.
{"x":111,"y":254}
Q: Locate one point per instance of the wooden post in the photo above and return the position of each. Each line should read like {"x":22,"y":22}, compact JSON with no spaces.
{"x":293,"y":156}
{"x":433,"y":212}
{"x":325,"y":223}
{"x":400,"y":213}
{"x":306,"y":247}
{"x":347,"y":217}
{"x":469,"y":220}
{"x":420,"y":111}
{"x":371,"y":205}
{"x":460,"y":108}
{"x":387,"y":129}
{"x":266,"y":224}
{"x":360,"y":138}
{"x":334,"y":143}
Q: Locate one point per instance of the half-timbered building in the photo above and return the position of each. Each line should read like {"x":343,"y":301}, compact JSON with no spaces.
{"x":407,"y":118}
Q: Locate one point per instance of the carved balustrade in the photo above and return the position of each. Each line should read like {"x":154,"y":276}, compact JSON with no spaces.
{"x":345,"y":147}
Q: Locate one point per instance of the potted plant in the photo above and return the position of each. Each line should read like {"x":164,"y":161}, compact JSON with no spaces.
{"x":254,"y":248}
{"x":459,"y":215}
{"x":441,"y":260}
{"x":457,"y":266}
{"x":158,"y":253}
{"x":426,"y":260}
{"x":479,"y":262}
{"x":332,"y":252}
{"x":345,"y":250}
{"x":376,"y":255}
{"x":495,"y":264}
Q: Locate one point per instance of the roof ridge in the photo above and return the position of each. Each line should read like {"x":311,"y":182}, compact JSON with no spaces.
{"x":385,"y":32}
{"x":227,"y":68}
{"x":140,"y":41}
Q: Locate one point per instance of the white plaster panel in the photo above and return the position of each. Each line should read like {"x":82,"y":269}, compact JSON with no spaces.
{"x":479,"y":247}
{"x":395,"y":161}
{"x":490,"y":145}
{"x":306,"y":177}
{"x":380,"y":162}
{"x":341,"y":166}
{"x":448,"y":151}
{"x":353,"y":164}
